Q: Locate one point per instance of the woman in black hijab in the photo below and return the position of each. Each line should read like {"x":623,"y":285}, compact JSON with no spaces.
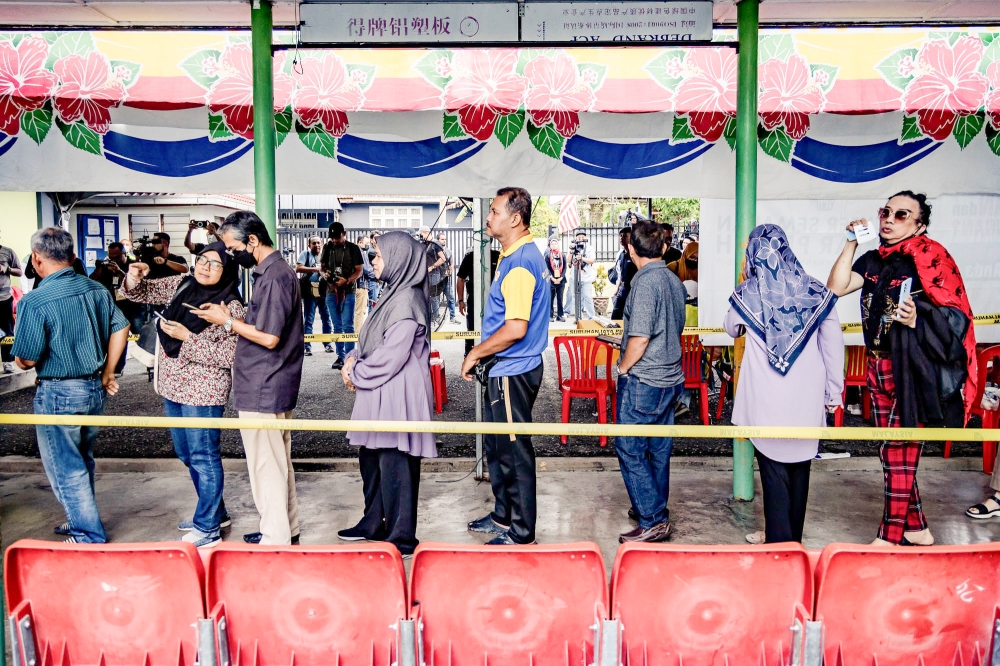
{"x":194,"y":361}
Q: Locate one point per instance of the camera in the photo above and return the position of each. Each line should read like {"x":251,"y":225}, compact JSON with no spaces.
{"x":200,"y":224}
{"x":143,"y":250}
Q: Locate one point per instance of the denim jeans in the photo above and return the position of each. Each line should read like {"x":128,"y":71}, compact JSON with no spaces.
{"x":309,"y":307}
{"x":68,"y":451}
{"x":645,"y":461}
{"x":373,"y":291}
{"x":342,"y":314}
{"x":198,"y":449}
{"x":449,"y":292}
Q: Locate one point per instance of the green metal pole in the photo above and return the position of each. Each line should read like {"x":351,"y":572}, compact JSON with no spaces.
{"x":261,"y":24}
{"x":747,"y":18}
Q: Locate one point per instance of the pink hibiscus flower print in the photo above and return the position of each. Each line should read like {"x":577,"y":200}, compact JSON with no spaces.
{"x":993,"y":101}
{"x":789,"y":95}
{"x":232,"y":94}
{"x":87,"y":90}
{"x":557,"y":93}
{"x":326,"y":93}
{"x":483,"y":87}
{"x":25,"y":84}
{"x":947,"y":85}
{"x":708,"y":96}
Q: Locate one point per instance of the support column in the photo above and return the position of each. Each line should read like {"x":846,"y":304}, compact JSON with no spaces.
{"x":261,"y":24}
{"x":747,"y":20}
{"x":481,"y":278}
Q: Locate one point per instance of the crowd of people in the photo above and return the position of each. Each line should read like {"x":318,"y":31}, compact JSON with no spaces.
{"x":211,"y":341}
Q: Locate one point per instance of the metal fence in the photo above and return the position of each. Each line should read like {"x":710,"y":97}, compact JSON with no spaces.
{"x":291,"y":242}
{"x":603,"y":239}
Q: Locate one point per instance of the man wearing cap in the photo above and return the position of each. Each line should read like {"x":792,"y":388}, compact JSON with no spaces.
{"x":583,"y":256}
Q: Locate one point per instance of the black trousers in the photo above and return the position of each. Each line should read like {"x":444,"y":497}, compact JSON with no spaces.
{"x":390,"y":480}
{"x":511,"y":458}
{"x":557,"y":297}
{"x":7,"y":327}
{"x":470,"y":323}
{"x":786,"y":490}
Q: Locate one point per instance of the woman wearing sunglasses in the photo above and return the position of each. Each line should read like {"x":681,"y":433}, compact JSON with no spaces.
{"x":921,"y":351}
{"x":194,"y":362}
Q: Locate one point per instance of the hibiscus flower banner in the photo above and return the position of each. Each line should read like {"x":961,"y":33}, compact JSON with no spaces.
{"x":842,"y":114}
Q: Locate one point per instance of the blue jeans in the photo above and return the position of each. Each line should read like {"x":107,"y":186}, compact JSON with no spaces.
{"x":449,"y":291}
{"x":198,"y":449}
{"x":645,"y":461}
{"x":68,"y":451}
{"x":342,"y":314}
{"x":373,"y":291}
{"x":309,"y":307}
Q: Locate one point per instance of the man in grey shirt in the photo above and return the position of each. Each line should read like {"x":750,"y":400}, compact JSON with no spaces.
{"x":650,"y":381}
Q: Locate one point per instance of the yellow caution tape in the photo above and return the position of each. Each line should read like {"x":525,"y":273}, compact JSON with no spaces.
{"x":464,"y":428}
{"x":980,"y":320}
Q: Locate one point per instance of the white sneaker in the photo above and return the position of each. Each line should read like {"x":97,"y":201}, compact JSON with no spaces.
{"x":9,"y":368}
{"x":756,"y":538}
{"x":854,"y":410}
{"x":201,"y":540}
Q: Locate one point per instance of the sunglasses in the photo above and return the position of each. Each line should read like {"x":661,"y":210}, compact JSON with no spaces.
{"x":897,"y":215}
{"x":217,"y":265}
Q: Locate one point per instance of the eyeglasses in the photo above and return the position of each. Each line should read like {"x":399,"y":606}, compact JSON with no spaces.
{"x":217,"y":265}
{"x":897,"y":215}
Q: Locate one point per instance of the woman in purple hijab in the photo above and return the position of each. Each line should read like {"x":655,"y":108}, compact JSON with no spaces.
{"x":390,"y":372}
{"x":792,"y":371}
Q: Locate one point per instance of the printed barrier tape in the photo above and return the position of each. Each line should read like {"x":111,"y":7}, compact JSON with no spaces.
{"x":465,"y":428}
{"x":980,"y":320}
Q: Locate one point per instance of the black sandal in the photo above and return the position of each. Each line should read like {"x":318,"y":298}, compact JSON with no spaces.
{"x":982,"y":512}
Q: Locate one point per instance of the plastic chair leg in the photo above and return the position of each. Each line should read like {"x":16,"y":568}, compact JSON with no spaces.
{"x":723,"y":388}
{"x":437,"y":380}
{"x":602,"y":414}
{"x":706,"y":419}
{"x":866,"y":403}
{"x":989,"y":448}
{"x":614,"y":403}
{"x":947,"y":449}
{"x":566,"y":401}
{"x":838,"y":418}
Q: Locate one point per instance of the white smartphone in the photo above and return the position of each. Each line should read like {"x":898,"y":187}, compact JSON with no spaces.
{"x":161,"y":317}
{"x":904,"y":289}
{"x":865,"y":233}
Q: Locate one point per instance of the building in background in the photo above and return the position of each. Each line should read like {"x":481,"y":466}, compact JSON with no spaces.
{"x":308,"y":211}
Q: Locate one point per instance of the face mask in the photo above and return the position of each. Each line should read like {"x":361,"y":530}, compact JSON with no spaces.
{"x":691,"y":263}
{"x":244,"y":258}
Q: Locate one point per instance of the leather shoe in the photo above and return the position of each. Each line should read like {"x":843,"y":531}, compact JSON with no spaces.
{"x":505,"y":540}
{"x":656,"y":533}
{"x":255,"y":537}
{"x":357,"y":534}
{"x":486,"y":525}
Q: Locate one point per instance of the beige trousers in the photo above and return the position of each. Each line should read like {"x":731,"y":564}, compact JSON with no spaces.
{"x":272,"y":479}
{"x":360,"y":308}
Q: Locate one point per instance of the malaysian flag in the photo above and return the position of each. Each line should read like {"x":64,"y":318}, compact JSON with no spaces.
{"x":569,"y":217}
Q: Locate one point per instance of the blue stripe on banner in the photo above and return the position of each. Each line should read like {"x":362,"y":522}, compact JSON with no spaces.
{"x":6,"y":143}
{"x":404,"y":159}
{"x":176,"y":159}
{"x":623,"y":161}
{"x":858,"y":164}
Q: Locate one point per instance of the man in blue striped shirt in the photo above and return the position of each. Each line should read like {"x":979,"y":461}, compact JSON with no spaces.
{"x":70,"y":331}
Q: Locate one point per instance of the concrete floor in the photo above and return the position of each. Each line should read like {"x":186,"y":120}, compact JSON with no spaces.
{"x":845,"y":505}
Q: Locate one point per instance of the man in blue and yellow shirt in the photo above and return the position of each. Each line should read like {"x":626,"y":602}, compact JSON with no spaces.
{"x":515,"y":334}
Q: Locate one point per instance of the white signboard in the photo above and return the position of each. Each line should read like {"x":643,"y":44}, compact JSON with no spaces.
{"x":383,"y":22}
{"x":617,"y":21}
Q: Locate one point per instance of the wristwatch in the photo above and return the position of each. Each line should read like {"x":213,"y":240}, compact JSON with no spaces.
{"x":229,"y":324}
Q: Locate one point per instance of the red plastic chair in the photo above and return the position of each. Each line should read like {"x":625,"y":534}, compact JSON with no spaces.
{"x":307,"y":606}
{"x":907,"y":606}
{"x":855,"y":374}
{"x":985,"y":359}
{"x":723,"y":389}
{"x":694,"y":378}
{"x":121,"y":605}
{"x":508,"y":605}
{"x":583,"y":380}
{"x":439,"y":383}
{"x":711,"y":605}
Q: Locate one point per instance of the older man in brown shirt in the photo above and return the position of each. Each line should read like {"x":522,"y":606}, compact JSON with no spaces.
{"x":266,"y":374}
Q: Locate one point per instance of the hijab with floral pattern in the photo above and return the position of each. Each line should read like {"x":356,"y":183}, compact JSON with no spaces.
{"x":778,"y":300}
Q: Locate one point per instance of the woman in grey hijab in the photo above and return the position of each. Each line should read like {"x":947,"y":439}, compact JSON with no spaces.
{"x":390,"y":372}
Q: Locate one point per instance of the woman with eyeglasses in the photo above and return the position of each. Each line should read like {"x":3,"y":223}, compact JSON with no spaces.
{"x":921,"y":348}
{"x":194,"y":361}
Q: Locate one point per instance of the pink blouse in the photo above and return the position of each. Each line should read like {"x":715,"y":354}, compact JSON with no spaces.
{"x":201,"y":375}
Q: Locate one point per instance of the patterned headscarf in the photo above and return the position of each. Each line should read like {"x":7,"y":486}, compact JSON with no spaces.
{"x":778,"y":300}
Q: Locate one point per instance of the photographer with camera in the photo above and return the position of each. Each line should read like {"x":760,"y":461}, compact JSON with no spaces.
{"x":342,"y":265}
{"x":161,"y":263}
{"x":110,"y":273}
{"x":584,"y":274}
{"x":313,"y":293}
{"x":211,"y":230}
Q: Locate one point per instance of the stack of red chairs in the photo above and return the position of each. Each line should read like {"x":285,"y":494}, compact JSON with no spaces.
{"x":438,"y":382}
{"x":692,"y":354}
{"x":583,"y":380}
{"x":986,"y":362}
{"x":855,"y":374}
